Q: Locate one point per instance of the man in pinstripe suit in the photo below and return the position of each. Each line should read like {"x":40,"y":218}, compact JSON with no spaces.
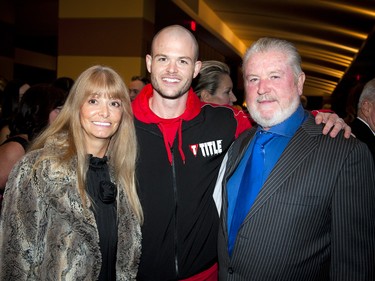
{"x":314,"y":216}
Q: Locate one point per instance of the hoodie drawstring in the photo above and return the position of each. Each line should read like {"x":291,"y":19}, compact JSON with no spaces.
{"x":180,"y":142}
{"x":168,"y":142}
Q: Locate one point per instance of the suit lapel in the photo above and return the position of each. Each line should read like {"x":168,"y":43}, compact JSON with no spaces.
{"x":300,"y":146}
{"x":361,"y":130}
{"x":245,"y":140}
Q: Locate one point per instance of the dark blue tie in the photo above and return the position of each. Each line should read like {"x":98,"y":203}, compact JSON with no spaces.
{"x":251,"y":183}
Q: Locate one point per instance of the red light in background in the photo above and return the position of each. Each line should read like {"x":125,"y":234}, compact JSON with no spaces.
{"x":358,"y":77}
{"x":193,"y":25}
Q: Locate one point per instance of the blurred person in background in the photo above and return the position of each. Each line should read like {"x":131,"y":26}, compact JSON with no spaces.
{"x":38,"y":107}
{"x":64,"y":83}
{"x":136,"y":85}
{"x":214,"y":84}
{"x":3,"y":83}
{"x":363,"y":126}
{"x":12,"y":95}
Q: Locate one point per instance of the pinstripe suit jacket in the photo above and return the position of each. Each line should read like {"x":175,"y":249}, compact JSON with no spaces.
{"x":314,"y":218}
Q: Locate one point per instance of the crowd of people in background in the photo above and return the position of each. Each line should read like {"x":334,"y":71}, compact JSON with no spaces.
{"x":11,"y":96}
{"x":37,"y":109}
{"x":108,"y":181}
{"x":26,"y":112}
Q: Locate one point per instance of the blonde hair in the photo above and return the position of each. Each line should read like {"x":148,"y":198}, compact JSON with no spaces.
{"x":122,"y":150}
{"x":210,"y":76}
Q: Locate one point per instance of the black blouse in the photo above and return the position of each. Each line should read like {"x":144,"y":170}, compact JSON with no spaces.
{"x":103,"y":194}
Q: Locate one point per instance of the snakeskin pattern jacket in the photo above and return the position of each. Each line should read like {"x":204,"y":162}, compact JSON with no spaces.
{"x":47,"y":234}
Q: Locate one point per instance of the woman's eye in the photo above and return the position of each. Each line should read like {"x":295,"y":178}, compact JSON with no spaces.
{"x":116,"y":103}
{"x":92,"y":101}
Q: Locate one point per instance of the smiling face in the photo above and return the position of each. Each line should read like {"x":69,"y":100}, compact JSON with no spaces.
{"x":172,"y":63}
{"x":100,"y":117}
{"x":272,"y":93}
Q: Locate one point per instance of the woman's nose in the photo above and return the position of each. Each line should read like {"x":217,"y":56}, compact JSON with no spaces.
{"x":104,"y":112}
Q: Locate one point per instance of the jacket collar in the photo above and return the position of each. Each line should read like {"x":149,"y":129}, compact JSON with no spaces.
{"x":143,"y":112}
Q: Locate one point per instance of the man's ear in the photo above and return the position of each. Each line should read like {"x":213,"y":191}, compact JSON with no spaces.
{"x":300,"y":82}
{"x":197,"y":68}
{"x":148,"y":63}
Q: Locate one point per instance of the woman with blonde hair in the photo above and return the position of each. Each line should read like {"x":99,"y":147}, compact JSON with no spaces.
{"x":70,"y":209}
{"x":214,"y":84}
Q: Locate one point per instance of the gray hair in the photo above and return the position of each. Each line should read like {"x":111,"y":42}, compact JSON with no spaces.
{"x":266,"y":44}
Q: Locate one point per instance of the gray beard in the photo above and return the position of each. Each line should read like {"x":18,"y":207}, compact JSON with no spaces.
{"x":277,"y":118}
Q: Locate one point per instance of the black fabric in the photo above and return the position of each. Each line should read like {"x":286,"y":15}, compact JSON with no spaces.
{"x":20,"y":140}
{"x":103,"y":194}
{"x":179,"y":233}
{"x":364,"y":133}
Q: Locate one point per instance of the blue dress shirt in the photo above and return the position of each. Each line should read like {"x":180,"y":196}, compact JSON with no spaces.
{"x":283,"y":134}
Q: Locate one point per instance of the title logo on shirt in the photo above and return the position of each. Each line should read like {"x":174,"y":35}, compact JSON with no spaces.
{"x":207,"y":149}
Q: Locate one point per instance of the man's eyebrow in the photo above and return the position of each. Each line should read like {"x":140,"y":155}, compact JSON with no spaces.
{"x":251,"y":75}
{"x":277,"y":71}
{"x":186,"y":58}
{"x":179,"y":58}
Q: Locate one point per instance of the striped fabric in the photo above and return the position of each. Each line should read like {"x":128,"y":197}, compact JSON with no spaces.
{"x":314,"y":218}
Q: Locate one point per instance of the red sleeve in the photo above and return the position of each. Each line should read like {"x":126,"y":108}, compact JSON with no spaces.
{"x":243,"y":121}
{"x":315,"y":111}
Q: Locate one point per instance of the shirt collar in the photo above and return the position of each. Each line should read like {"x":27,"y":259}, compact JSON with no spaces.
{"x":289,"y":126}
{"x":366,"y":124}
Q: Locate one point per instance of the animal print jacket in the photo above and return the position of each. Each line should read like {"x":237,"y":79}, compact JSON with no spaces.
{"x":47,"y":234}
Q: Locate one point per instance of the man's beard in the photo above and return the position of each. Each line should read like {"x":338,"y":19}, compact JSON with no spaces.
{"x":278,"y":116}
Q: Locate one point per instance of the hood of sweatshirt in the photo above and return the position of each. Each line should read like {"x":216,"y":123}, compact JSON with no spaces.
{"x":143,"y":112}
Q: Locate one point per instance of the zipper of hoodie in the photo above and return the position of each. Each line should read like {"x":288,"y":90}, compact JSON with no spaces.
{"x":175,"y":216}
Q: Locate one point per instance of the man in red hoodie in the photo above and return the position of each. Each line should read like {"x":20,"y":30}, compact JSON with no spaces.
{"x":182,"y":143}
